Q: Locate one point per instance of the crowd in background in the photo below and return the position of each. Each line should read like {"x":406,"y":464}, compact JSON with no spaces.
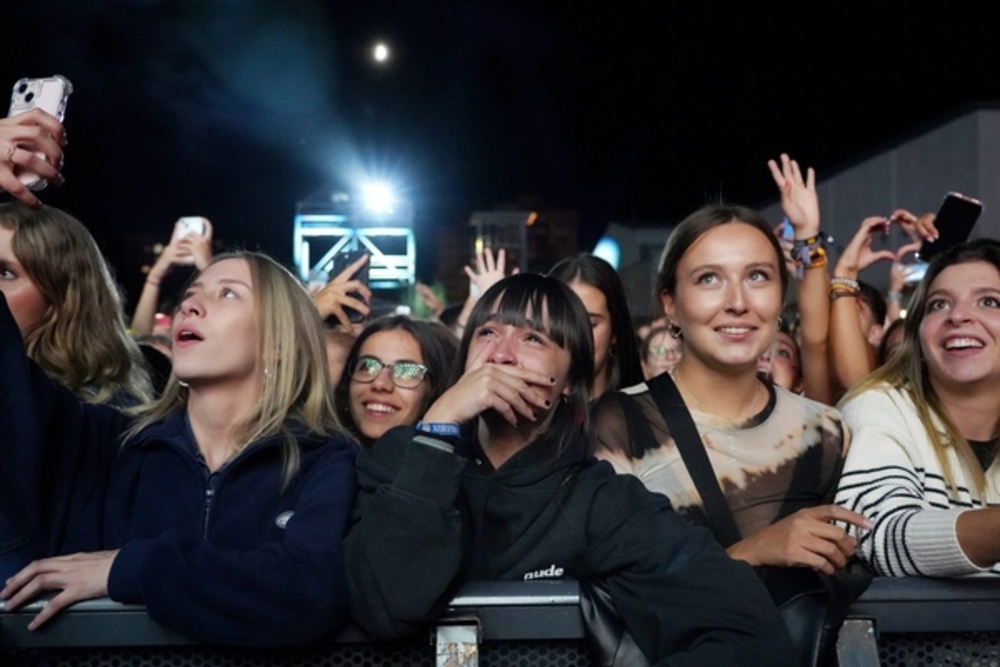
{"x":246,"y":446}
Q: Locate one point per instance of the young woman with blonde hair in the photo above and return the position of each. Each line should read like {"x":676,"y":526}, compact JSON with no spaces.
{"x":222,"y":508}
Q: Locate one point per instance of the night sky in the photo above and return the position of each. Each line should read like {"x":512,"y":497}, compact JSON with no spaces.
{"x":236,"y":110}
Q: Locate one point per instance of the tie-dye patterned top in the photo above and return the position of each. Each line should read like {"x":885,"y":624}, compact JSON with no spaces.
{"x":785,"y":458}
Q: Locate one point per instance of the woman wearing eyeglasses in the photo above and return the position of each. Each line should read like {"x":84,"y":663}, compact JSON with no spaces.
{"x":396,"y":368}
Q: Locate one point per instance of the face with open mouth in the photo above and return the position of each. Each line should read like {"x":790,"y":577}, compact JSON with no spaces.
{"x":961,"y":325}
{"x":727,"y":299}
{"x":379,"y":405}
{"x":215,"y":330}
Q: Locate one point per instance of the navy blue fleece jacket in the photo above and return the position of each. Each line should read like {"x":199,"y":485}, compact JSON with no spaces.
{"x":227,"y":557}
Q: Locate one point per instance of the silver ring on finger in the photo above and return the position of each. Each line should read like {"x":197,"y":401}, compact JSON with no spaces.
{"x":10,"y":153}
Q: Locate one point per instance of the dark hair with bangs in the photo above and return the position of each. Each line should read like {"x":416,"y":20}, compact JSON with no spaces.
{"x":510,"y":301}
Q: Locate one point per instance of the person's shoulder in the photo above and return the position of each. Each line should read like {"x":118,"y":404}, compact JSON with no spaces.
{"x":611,"y":495}
{"x":877,"y":403}
{"x":812,"y":410}
{"x":325,"y":445}
{"x":636,"y":390}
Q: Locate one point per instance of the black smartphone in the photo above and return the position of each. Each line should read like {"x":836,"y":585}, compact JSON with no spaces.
{"x":343,"y":260}
{"x":955,"y":219}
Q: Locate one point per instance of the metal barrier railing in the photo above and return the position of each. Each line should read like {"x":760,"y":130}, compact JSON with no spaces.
{"x":487,"y":621}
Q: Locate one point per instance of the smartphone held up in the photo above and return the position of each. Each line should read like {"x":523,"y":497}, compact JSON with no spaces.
{"x":341,"y":262}
{"x":48,"y":94}
{"x":954,"y":221}
{"x":189,"y":225}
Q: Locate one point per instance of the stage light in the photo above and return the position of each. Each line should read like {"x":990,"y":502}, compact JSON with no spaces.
{"x":608,"y":250}
{"x":378,"y":198}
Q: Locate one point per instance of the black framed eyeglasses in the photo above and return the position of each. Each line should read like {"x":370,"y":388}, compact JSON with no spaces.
{"x":403,"y":374}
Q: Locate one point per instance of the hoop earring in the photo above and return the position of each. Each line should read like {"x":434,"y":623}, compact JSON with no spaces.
{"x":674,"y":330}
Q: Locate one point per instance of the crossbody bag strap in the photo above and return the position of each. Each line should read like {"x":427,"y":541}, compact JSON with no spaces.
{"x":688,"y":440}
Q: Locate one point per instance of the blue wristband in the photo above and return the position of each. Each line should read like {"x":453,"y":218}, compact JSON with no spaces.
{"x":440,"y":429}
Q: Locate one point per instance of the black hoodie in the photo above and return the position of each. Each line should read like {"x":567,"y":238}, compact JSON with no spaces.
{"x":428,"y":520}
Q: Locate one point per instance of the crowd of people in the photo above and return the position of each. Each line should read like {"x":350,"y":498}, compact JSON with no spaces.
{"x":257,"y":465}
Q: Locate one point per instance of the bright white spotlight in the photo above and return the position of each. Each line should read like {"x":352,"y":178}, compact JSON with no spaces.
{"x":608,"y":250}
{"x":380,"y":52}
{"x":378,"y":198}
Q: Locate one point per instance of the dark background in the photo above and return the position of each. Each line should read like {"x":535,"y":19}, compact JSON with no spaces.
{"x":236,"y":110}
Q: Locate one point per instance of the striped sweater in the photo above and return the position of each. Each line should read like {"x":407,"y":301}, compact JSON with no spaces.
{"x":893,"y":477}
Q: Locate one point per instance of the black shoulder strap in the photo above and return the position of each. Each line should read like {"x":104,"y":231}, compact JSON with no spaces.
{"x":686,"y":436}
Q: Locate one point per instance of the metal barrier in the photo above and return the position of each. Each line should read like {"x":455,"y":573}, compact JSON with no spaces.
{"x":488,"y":623}
{"x":922,"y":621}
{"x":897,"y":621}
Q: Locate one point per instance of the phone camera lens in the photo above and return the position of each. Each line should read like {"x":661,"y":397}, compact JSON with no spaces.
{"x":29,"y":97}
{"x":23,"y":87}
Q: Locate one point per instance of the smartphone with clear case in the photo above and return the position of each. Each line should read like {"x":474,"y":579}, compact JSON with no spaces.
{"x":50,"y":95}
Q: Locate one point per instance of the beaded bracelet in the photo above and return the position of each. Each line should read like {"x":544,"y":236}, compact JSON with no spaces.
{"x":848,"y":283}
{"x":836,"y":294}
{"x":808,"y":254}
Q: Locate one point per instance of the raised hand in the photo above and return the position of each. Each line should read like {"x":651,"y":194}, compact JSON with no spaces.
{"x":336,"y":296}
{"x":488,"y":270}
{"x":807,"y":538}
{"x":919,"y":229}
{"x":858,"y":254}
{"x":799,"y":200}
{"x":190,"y":249}
{"x":430,"y":298}
{"x":22,"y":137}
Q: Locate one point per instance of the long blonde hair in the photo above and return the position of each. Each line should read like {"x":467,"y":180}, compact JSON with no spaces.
{"x":906,"y":369}
{"x":82,"y":339}
{"x":292,"y":350}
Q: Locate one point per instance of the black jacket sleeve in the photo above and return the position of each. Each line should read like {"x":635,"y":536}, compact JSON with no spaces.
{"x":684,"y":600}
{"x":404,"y":547}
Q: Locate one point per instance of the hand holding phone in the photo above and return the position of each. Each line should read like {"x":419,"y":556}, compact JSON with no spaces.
{"x":49,"y":95}
{"x":345,"y":299}
{"x":954,"y":222}
{"x":188,"y":225}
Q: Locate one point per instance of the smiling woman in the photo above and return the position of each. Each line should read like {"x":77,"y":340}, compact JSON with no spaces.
{"x":495,"y":483}
{"x":396,"y":368}
{"x":714,"y":429}
{"x":923,"y":465}
{"x":223,"y":505}
{"x":721,"y":282}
